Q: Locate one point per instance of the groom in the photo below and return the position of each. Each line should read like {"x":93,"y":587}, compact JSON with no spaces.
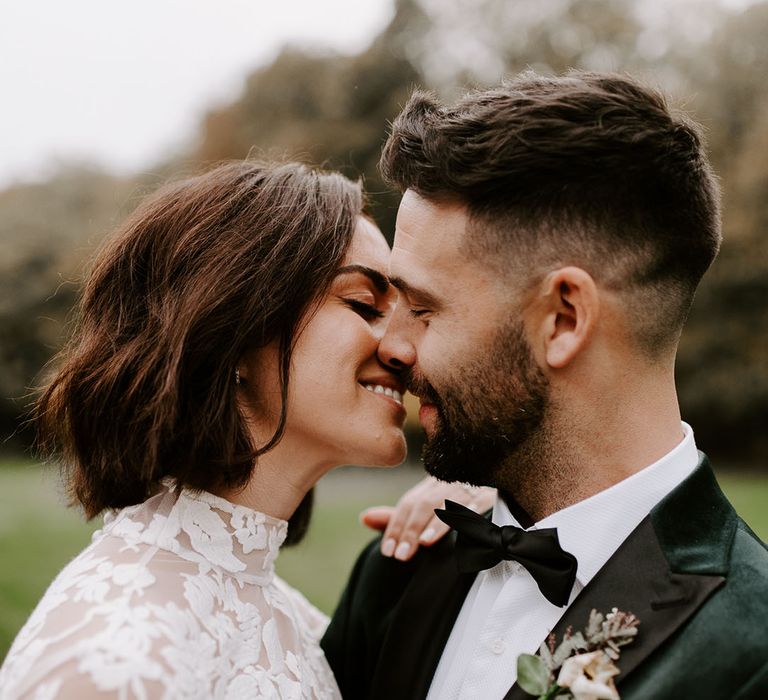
{"x":549,"y":242}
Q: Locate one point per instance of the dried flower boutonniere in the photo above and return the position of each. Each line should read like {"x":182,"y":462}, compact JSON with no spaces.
{"x":582,"y":666}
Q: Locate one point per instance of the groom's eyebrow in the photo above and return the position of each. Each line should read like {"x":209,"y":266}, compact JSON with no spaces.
{"x":415,"y":294}
{"x":379,"y":281}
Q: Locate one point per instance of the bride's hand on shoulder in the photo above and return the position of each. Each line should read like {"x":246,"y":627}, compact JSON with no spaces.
{"x":412,"y":522}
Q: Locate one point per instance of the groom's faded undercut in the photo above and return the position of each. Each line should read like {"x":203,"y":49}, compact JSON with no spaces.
{"x":584,"y":169}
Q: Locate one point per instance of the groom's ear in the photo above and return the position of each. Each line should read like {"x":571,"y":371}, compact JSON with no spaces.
{"x":567,"y":313}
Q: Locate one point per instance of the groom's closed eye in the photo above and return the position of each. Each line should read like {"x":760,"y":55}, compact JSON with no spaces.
{"x":421,"y":300}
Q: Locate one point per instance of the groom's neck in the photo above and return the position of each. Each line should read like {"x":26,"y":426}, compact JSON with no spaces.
{"x":593,"y":439}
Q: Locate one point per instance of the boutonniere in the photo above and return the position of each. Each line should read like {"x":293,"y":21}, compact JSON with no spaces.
{"x":582,"y":666}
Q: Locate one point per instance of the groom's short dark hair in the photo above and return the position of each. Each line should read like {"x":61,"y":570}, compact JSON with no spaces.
{"x":587,"y":169}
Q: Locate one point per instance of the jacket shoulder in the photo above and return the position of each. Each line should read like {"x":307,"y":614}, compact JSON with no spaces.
{"x":355,"y":636}
{"x":748,"y":574}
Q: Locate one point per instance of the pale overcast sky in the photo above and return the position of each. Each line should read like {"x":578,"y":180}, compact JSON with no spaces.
{"x":122,"y":83}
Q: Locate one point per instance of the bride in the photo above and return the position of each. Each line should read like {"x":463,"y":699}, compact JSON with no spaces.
{"x":225,"y":358}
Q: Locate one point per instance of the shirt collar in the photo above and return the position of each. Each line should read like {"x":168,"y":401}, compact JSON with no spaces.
{"x":593,"y":529}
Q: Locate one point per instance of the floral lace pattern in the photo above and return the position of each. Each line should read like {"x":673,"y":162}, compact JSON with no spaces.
{"x":174,"y":598}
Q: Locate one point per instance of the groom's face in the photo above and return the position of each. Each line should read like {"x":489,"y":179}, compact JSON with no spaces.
{"x":458,"y":333}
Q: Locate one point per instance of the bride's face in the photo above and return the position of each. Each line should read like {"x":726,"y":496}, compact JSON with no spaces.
{"x":344,"y":406}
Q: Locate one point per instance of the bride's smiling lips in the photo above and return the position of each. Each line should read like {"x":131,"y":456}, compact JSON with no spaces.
{"x":385,"y":387}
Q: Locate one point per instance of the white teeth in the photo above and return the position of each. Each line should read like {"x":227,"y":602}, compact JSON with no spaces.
{"x":379,"y":389}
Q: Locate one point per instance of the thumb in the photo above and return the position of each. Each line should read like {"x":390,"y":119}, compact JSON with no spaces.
{"x":377,"y":517}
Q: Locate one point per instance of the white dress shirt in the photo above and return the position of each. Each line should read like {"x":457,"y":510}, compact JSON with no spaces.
{"x":505,"y":615}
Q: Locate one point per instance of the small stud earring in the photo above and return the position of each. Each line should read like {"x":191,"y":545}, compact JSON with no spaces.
{"x":237,"y":376}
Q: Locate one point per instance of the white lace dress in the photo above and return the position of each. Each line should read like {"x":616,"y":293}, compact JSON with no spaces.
{"x":174,"y":598}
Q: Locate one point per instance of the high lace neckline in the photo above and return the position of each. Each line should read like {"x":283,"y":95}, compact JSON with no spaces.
{"x":207,"y":529}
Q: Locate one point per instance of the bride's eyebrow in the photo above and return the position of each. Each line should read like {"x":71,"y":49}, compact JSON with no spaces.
{"x":379,"y":281}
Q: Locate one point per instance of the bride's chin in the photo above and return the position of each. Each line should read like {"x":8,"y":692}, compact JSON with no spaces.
{"x":397,"y":454}
{"x":394,"y":455}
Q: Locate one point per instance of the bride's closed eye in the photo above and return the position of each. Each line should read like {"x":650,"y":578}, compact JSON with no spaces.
{"x":367,"y":311}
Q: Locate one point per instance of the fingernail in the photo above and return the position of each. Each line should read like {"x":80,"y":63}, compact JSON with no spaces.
{"x":402,"y":551}
{"x":388,"y":547}
{"x":428,"y":534}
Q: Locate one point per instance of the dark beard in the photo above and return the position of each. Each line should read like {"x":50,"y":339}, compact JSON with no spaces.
{"x":488,"y":410}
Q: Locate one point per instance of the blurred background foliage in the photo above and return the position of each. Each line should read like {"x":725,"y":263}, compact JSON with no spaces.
{"x":333,"y":109}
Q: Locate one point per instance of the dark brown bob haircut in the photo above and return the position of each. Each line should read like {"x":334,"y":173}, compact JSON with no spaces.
{"x":204,"y":271}
{"x":584,"y":169}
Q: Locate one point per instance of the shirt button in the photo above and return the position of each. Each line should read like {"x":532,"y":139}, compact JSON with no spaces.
{"x":498,"y":646}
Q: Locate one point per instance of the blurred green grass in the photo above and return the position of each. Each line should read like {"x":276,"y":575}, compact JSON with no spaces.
{"x":38,"y":535}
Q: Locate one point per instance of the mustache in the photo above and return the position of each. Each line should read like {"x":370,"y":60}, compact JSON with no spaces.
{"x":420,"y":387}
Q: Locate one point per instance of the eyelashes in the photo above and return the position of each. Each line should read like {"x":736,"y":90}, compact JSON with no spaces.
{"x":367,"y":311}
{"x":370,"y":312}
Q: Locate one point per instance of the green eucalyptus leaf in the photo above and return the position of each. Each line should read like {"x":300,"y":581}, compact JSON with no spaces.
{"x":533,"y":676}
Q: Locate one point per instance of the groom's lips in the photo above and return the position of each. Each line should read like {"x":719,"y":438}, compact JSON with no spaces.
{"x":427,"y":414}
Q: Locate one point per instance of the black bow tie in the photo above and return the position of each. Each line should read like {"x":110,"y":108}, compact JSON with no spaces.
{"x":480,"y":545}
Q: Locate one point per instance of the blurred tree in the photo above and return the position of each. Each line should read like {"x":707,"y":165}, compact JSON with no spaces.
{"x":331,"y":108}
{"x":723,"y":362}
{"x":46,"y":231}
{"x":326,"y":108}
{"x":481,"y":41}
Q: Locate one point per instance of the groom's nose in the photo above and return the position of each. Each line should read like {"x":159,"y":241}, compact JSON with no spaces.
{"x":396,"y":349}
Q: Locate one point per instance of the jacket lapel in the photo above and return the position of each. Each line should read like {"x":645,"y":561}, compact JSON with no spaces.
{"x":421,"y":625}
{"x":663,"y":572}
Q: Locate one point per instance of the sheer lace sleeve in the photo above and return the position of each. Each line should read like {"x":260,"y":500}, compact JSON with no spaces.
{"x":175,"y":598}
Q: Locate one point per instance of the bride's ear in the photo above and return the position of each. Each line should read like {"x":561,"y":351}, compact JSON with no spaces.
{"x":569,"y":310}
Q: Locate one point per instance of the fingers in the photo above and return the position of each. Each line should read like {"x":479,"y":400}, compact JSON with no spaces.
{"x":377,"y":517}
{"x":484,"y":498}
{"x":399,"y":537}
{"x":412,"y":522}
{"x":435,"y":530}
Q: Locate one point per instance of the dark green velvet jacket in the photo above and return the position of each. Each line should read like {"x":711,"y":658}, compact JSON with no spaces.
{"x":693,"y":572}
